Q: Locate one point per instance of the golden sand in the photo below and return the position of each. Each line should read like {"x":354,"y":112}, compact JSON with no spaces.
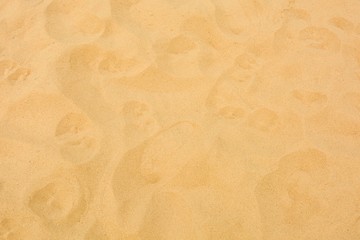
{"x":179,"y":120}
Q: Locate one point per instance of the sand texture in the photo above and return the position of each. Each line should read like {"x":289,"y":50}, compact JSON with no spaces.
{"x":179,"y":119}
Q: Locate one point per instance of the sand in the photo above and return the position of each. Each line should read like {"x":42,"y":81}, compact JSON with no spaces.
{"x":179,"y":120}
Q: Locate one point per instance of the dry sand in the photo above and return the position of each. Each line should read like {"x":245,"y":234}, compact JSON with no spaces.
{"x":179,"y":120}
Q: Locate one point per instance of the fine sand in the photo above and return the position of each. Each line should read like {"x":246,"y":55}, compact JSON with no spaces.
{"x":179,"y":120}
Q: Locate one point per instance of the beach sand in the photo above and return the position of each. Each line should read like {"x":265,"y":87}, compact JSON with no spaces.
{"x":179,"y":120}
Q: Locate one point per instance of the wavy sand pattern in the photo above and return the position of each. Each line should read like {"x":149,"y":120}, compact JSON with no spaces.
{"x":179,"y":120}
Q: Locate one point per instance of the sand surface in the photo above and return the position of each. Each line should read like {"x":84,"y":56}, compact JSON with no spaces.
{"x":179,"y":120}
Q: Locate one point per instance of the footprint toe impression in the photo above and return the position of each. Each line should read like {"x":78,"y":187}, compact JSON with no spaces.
{"x":57,"y":201}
